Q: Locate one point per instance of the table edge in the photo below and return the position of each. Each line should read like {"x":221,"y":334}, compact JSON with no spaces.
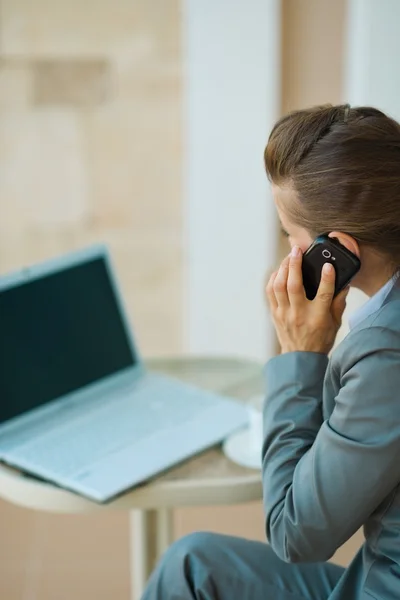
{"x":36,"y":495}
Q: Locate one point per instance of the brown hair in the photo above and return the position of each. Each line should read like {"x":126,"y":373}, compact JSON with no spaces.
{"x":344,"y":164}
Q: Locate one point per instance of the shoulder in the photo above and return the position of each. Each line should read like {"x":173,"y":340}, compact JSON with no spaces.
{"x":378,"y":341}
{"x":388,"y":316}
{"x":378,"y":333}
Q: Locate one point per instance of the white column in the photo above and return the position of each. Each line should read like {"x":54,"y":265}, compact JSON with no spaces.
{"x":372,"y":76}
{"x":232,"y":98}
{"x":373,"y":50}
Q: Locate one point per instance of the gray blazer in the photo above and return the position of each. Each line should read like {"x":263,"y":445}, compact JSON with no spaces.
{"x":331,"y":454}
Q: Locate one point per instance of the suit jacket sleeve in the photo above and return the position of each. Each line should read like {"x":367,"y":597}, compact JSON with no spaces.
{"x":323,"y":479}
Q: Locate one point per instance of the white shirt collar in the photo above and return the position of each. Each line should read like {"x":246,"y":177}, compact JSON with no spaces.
{"x":372,"y":305}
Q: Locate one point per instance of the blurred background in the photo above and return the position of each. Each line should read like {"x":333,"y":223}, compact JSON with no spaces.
{"x":142,"y":123}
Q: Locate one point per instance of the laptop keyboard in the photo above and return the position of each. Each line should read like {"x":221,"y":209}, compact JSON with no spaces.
{"x":154,"y":404}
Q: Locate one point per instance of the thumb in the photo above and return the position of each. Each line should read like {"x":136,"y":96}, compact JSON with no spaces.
{"x":324,"y":298}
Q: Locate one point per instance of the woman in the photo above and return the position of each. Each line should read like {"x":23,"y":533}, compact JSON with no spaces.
{"x":331,"y":454}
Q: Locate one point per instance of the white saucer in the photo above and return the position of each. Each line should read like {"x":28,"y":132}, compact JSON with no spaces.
{"x":239,"y":448}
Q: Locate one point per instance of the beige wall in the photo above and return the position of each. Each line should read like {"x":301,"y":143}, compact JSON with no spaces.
{"x":90,"y":149}
{"x":312,"y":52}
{"x":90,"y":145}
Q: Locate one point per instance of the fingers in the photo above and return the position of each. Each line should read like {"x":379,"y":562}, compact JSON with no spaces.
{"x":296,"y":292}
{"x":270,"y":291}
{"x":280,"y":284}
{"x":285,"y":287}
{"x":326,"y":290}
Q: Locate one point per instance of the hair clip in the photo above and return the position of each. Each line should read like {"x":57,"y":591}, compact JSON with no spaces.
{"x":346,"y":113}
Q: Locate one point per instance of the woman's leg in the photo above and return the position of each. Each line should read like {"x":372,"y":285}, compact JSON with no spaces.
{"x":207,"y":566}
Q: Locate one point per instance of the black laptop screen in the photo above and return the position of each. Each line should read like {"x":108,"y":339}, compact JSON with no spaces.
{"x":59,"y":333}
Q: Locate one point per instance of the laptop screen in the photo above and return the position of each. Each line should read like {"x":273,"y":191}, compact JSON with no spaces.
{"x":59,"y":333}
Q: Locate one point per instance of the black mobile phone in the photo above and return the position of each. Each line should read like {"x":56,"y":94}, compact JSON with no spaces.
{"x":325,"y":249}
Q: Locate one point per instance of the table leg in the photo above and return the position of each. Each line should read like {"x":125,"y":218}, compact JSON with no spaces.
{"x":151,"y":532}
{"x":165,"y":530}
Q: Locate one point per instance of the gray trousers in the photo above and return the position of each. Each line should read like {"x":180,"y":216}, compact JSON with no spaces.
{"x":207,"y":566}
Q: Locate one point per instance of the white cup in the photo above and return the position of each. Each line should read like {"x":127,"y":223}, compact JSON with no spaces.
{"x":255,"y":429}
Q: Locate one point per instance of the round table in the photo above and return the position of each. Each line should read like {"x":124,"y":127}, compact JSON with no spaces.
{"x":207,"y":479}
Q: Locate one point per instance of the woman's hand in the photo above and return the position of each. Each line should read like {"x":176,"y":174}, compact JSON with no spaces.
{"x":302,"y":324}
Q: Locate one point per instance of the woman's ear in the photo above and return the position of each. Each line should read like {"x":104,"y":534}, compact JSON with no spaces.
{"x":347,"y":241}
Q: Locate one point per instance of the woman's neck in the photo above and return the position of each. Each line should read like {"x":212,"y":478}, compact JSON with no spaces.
{"x":372,"y":287}
{"x":374,"y":273}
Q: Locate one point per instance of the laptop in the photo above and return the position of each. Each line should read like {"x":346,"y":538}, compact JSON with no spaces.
{"x":77,"y":405}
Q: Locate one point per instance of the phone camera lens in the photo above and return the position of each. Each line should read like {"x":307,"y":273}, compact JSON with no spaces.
{"x":326,"y":254}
